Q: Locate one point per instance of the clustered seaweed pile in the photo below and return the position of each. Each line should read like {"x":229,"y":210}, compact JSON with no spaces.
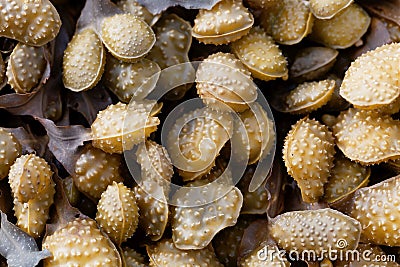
{"x":103,"y":164}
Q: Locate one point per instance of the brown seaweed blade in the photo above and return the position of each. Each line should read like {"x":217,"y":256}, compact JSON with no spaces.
{"x":372,"y":80}
{"x":70,"y":225}
{"x":343,"y":30}
{"x":306,"y":97}
{"x":288,"y":22}
{"x":310,"y":168}
{"x":117,"y":212}
{"x":377,"y":209}
{"x":154,"y":213}
{"x":84,"y":60}
{"x":30,"y":22}
{"x":10,"y":150}
{"x":346,"y":177}
{"x":367,"y":137}
{"x":201,"y":212}
{"x":173,"y":41}
{"x":227,"y":21}
{"x":261,"y":55}
{"x":27,"y":67}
